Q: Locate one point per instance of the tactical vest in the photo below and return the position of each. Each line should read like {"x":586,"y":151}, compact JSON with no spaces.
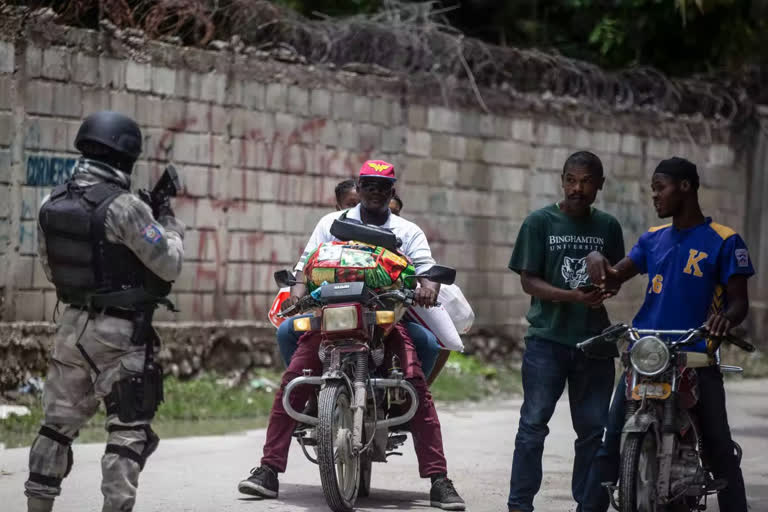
{"x":86,"y":268}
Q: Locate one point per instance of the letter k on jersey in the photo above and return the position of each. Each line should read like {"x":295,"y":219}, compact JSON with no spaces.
{"x":692,"y":266}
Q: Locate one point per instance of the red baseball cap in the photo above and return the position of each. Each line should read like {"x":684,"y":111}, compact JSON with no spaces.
{"x":378,"y":169}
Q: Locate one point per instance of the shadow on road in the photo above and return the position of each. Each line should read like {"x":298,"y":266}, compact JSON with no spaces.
{"x":298,"y":497}
{"x":386,"y":499}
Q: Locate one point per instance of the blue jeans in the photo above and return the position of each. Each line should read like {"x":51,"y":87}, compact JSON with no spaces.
{"x":427,"y":347}
{"x":547,"y":366}
{"x":605,"y":468}
{"x":716,"y":433}
{"x":288,"y":339}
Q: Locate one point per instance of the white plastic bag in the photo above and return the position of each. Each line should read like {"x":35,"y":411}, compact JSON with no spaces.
{"x":457,"y":307}
{"x":453,"y":316}
{"x":438,"y":321}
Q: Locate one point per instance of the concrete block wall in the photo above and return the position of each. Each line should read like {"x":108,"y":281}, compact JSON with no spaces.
{"x":260,"y":162}
{"x":260,"y":158}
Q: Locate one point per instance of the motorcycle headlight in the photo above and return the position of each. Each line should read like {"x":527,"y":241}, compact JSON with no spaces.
{"x":649,"y":356}
{"x":340,"y":319}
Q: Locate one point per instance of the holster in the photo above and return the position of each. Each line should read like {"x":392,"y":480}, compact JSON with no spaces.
{"x":137,"y":397}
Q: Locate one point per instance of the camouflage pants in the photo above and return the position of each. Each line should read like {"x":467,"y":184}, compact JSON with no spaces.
{"x":71,"y":397}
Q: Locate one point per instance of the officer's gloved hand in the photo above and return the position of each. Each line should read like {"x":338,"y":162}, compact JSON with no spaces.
{"x":163,"y":209}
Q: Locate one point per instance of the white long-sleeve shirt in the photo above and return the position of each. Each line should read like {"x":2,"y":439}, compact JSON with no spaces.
{"x":415,"y":244}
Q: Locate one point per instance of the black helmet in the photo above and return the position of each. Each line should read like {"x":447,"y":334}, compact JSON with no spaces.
{"x":117,"y":132}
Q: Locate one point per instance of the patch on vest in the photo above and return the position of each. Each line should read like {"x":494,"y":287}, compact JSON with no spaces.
{"x":152,"y":233}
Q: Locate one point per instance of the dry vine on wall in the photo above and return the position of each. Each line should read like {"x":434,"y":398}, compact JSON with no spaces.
{"x":414,"y":40}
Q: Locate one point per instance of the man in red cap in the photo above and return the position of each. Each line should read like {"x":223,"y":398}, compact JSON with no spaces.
{"x":375,"y":187}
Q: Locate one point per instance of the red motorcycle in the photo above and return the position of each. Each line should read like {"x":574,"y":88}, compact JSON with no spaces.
{"x":362,"y":393}
{"x":661,"y":467}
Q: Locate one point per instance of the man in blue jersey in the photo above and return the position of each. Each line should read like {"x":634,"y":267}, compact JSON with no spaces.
{"x":697,"y":274}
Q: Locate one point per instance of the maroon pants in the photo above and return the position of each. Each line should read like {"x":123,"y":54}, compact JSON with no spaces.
{"x":425,"y":425}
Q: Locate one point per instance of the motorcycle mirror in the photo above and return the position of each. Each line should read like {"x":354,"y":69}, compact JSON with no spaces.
{"x":438,"y":274}
{"x":284,"y":279}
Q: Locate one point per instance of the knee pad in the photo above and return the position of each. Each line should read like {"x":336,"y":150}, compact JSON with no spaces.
{"x":58,"y":437}
{"x":124,"y":451}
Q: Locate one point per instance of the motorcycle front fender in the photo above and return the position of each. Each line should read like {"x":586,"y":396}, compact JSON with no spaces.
{"x":640,"y":422}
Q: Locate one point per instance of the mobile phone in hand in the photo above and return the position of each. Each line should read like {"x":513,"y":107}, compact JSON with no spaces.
{"x":586,"y":288}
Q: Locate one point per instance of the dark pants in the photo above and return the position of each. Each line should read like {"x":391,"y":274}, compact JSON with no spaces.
{"x":547,"y":366}
{"x":425,"y":425}
{"x":718,"y":444}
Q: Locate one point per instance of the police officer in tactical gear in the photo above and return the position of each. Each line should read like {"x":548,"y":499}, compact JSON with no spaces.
{"x":111,"y":258}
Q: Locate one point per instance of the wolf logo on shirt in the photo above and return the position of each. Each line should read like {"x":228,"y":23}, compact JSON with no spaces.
{"x":575,"y":271}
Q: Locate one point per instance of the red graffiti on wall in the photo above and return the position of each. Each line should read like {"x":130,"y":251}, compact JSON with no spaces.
{"x":296,"y":153}
{"x":165,"y":145}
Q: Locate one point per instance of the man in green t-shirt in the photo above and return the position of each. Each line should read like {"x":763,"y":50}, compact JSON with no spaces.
{"x":550,"y":256}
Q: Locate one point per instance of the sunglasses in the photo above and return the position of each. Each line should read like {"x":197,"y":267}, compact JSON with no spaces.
{"x":382,"y":185}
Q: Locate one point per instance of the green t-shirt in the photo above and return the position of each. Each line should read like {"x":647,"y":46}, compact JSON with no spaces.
{"x":554,"y":246}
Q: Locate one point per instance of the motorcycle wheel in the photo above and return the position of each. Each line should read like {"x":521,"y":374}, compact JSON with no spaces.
{"x":339,"y":467}
{"x":366,"y":468}
{"x":639,"y":473}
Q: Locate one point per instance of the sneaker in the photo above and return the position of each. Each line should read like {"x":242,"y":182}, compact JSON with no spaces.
{"x":262,"y":483}
{"x":443,"y":495}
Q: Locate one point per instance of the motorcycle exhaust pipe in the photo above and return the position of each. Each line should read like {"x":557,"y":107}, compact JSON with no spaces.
{"x":397,"y":420}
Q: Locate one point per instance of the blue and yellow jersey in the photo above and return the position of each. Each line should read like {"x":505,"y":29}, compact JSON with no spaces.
{"x":687,"y":273}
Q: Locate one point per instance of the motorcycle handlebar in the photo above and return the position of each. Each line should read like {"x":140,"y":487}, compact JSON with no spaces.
{"x":406,"y":296}
{"x":308,"y":302}
{"x":303,"y":304}
{"x":617,"y":332}
{"x":731,"y":338}
{"x":741,"y":343}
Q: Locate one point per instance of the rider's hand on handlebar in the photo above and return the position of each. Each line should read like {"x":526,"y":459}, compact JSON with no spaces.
{"x":719,"y":328}
{"x":289,"y":302}
{"x":424,"y":296}
{"x":718,"y":325}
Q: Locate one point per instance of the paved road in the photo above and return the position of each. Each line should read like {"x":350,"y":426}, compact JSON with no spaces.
{"x":200,"y":474}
